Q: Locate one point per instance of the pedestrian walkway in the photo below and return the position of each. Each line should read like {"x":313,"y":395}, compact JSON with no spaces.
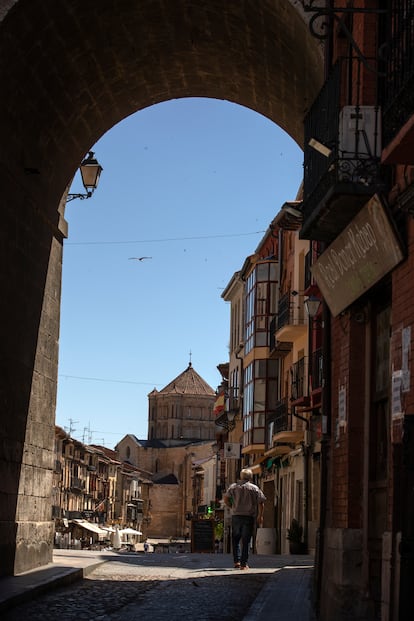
{"x":67,"y":566}
{"x":287,"y":589}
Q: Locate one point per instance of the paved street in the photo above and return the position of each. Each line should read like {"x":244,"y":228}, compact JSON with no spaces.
{"x":165,"y":587}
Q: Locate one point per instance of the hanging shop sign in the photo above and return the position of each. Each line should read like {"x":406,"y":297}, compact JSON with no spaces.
{"x":360,"y":256}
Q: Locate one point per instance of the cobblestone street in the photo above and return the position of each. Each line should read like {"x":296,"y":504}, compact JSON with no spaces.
{"x":158,"y":587}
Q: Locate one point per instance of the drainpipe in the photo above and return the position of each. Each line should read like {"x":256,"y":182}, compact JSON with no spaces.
{"x":305,"y":450}
{"x":325,"y":446}
{"x":241,"y":381}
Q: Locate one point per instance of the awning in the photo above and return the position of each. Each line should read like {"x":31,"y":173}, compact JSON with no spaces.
{"x":93,"y":528}
{"x":130,"y":531}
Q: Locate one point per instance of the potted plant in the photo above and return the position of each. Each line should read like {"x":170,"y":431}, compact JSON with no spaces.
{"x":294,"y":535}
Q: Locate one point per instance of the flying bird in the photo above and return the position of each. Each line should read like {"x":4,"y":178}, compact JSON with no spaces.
{"x":139,"y":258}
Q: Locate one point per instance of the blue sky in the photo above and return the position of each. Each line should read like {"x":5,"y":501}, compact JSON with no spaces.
{"x":193,"y":184}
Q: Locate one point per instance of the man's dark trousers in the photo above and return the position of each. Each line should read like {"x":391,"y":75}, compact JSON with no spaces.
{"x":242,"y":532}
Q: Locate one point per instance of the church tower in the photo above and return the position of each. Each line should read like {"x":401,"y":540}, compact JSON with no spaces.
{"x":183,"y":410}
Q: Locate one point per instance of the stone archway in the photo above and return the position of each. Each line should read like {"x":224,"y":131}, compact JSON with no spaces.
{"x":69,"y":72}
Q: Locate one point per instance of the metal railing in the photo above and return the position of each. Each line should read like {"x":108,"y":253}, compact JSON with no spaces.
{"x":396,"y":86}
{"x":289,"y":312}
{"x":299,"y":379}
{"x":308,"y":272}
{"x":317,"y":369}
{"x":281,"y":417}
{"x":350,"y":157}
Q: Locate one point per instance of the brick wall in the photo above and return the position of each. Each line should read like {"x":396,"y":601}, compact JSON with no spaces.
{"x":348,"y":376}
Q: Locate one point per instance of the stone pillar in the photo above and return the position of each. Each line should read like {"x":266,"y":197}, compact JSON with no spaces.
{"x":34,"y":525}
{"x":30,"y":276}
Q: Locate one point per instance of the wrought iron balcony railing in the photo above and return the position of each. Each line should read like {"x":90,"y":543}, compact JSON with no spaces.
{"x":341,"y":153}
{"x":397,"y":70}
{"x":299,"y":379}
{"x":282,"y":418}
{"x":277,"y":348}
{"x":308,"y":273}
{"x":317,"y":369}
{"x":290,"y":312}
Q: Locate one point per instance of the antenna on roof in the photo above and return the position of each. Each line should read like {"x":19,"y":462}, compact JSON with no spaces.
{"x":189,"y":364}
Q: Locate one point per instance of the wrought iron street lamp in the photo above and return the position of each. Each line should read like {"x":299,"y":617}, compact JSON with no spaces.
{"x":90,"y":170}
{"x":312,"y":304}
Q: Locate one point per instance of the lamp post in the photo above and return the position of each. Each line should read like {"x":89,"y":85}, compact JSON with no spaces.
{"x":90,"y":170}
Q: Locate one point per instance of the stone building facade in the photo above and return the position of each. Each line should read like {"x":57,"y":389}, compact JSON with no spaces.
{"x":180,"y":453}
{"x":182,"y":410}
{"x":92,"y":489}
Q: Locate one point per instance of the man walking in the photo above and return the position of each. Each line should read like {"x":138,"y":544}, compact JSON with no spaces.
{"x":246,"y":501}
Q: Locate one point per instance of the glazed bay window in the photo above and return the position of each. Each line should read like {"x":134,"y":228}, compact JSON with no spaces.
{"x":261,"y":389}
{"x":260,"y":304}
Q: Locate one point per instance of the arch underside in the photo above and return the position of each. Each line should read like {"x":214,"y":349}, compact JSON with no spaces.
{"x":75,"y":69}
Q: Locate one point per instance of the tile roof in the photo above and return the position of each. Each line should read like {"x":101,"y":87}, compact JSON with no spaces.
{"x":189,"y":382}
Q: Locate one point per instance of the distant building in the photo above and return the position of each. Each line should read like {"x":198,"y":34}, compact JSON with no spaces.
{"x":183,"y":410}
{"x":91,"y":489}
{"x":180,"y":454}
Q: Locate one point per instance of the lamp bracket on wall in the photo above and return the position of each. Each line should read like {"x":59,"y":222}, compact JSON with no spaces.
{"x":320,"y":24}
{"x":71,"y":197}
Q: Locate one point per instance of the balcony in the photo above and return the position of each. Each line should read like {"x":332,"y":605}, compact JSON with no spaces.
{"x":341,"y":168}
{"x":253,"y":441}
{"x":277,"y":349}
{"x":282,"y":430}
{"x":282,"y":418}
{"x":397,"y":87}
{"x":291,"y":322}
{"x":317,"y":369}
{"x":77,"y":485}
{"x":308,"y":270}
{"x":299,"y":382}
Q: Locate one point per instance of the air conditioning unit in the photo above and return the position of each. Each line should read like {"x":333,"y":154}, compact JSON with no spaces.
{"x":359,"y":144}
{"x":232,"y":450}
{"x":360,"y":132}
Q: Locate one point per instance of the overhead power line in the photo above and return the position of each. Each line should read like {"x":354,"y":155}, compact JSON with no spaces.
{"x":165,"y":239}
{"x":101,"y":379}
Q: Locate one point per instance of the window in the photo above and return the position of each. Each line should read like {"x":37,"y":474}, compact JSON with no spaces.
{"x":261,"y":391}
{"x":260,"y":304}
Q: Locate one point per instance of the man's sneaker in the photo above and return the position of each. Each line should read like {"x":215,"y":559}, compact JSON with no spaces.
{"x":236,"y":565}
{"x":244,"y":567}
